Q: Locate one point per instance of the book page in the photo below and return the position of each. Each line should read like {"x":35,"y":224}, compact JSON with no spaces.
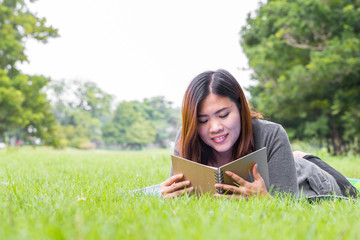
{"x":243,"y":167}
{"x":201,"y":177}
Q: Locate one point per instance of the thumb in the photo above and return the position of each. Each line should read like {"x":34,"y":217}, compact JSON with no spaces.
{"x":256,"y":174}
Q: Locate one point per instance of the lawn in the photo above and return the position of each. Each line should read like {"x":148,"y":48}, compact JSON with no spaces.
{"x":72,"y":194}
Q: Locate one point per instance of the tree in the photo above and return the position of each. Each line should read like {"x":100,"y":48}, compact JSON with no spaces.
{"x":129,"y":127}
{"x":82,"y":109}
{"x":306,"y":58}
{"x":36,"y":116}
{"x":140,"y":133}
{"x":84,"y":113}
{"x":11,"y":100}
{"x":164,"y":118}
{"x":24,"y":108}
{"x":93,"y":99}
{"x":61,"y":100}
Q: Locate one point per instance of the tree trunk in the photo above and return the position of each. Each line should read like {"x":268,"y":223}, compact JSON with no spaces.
{"x":337,"y":142}
{"x":328,"y":145}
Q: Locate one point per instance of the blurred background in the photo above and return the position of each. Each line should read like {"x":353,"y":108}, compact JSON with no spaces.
{"x":112,"y":74}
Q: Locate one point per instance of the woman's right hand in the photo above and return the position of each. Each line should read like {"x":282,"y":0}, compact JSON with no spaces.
{"x":172,"y":187}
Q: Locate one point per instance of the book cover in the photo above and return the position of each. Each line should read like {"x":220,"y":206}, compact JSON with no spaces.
{"x":203,"y":177}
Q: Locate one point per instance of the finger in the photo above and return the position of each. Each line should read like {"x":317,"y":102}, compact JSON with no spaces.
{"x":190,"y":189}
{"x":173,"y":187}
{"x":236,"y":178}
{"x":173,"y":179}
{"x":179,"y":185}
{"x":228,"y":188}
{"x":256,"y":174}
{"x":179,"y":192}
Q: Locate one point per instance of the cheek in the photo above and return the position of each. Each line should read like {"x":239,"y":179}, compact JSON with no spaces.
{"x":236,"y":124}
{"x":202,"y":132}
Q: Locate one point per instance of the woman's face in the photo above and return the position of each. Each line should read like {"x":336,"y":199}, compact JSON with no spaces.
{"x":219,"y":123}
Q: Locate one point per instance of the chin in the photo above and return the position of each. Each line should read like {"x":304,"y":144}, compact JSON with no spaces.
{"x":222,"y":150}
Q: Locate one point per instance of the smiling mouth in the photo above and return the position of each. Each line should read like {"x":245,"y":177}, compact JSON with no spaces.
{"x":220,"y":139}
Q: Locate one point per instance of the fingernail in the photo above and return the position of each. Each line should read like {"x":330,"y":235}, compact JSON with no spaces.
{"x":187,"y":182}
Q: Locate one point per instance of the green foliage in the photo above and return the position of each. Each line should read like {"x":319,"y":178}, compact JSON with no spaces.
{"x":136,"y":124}
{"x":94,"y":100}
{"x":305,"y":56}
{"x":129,"y":127}
{"x":84,"y":118}
{"x":24,"y":109}
{"x":140,"y":133}
{"x":11,"y":101}
{"x":85,"y":115}
{"x":72,"y":194}
{"x":17,"y":24}
{"x":163,"y":117}
{"x":79,"y":108}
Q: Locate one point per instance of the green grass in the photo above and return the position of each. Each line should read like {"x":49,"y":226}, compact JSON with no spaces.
{"x":49,"y":194}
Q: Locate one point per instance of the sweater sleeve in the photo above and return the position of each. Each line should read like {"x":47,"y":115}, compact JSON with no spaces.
{"x":282,"y":170}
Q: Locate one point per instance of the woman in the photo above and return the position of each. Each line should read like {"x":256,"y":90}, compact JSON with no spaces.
{"x":219,"y":126}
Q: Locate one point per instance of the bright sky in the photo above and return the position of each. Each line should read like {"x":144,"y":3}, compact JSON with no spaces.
{"x":136,"y":49}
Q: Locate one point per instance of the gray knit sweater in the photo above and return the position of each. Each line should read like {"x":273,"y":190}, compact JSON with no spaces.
{"x":286,"y":174}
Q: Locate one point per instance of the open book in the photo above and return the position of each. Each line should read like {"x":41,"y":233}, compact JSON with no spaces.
{"x":203,"y":177}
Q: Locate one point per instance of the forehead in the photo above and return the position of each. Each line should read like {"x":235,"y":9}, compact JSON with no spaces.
{"x":213,"y":103}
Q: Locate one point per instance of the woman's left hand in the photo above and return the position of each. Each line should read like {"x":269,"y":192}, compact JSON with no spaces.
{"x":244,"y":189}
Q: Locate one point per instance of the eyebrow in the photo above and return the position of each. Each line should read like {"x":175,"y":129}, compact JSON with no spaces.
{"x":217,"y":112}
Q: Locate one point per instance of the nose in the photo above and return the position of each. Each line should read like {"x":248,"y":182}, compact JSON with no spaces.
{"x":215,"y":126}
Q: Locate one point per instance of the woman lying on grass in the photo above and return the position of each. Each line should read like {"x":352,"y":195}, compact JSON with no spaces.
{"x":219,"y":126}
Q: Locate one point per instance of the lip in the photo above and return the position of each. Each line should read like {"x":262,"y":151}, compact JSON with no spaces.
{"x":220,"y":138}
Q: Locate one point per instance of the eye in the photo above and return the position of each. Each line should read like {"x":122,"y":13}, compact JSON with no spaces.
{"x":202,"y":122}
{"x":224,"y":116}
